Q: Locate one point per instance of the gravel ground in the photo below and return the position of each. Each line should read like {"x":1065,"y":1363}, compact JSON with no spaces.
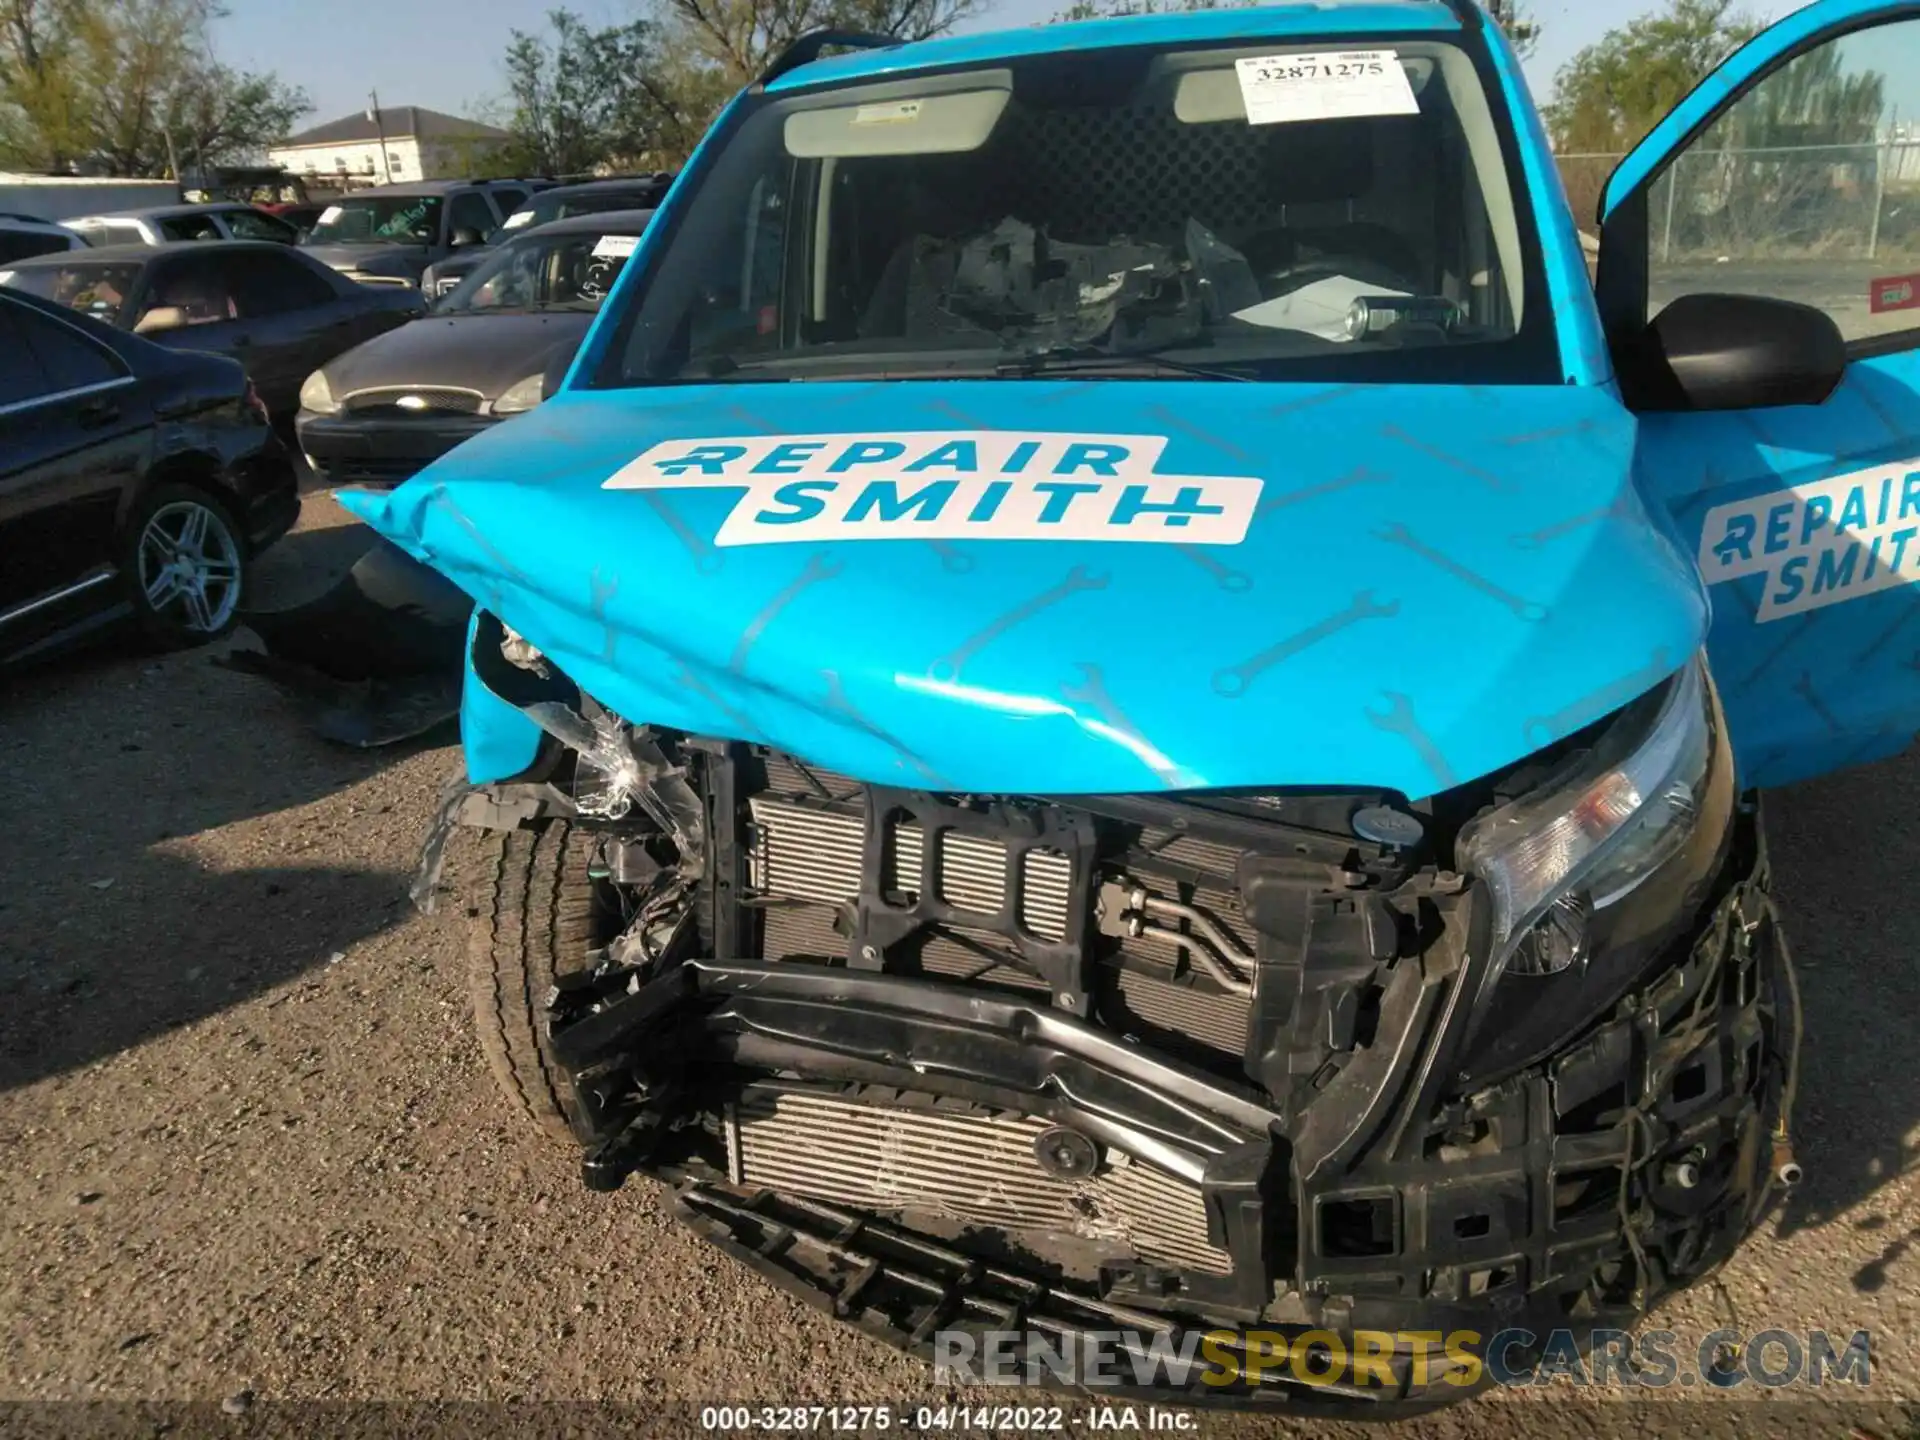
{"x":250,"y":1144}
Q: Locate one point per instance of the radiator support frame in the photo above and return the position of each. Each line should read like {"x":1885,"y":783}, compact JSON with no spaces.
{"x":882,"y":920}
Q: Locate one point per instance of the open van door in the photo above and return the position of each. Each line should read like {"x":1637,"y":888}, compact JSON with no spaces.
{"x":1759,"y":280}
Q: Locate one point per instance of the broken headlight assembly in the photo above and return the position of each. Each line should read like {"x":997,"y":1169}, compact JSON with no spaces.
{"x":1592,"y":870}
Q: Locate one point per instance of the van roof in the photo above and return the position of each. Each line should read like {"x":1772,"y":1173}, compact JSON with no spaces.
{"x":1300,"y":20}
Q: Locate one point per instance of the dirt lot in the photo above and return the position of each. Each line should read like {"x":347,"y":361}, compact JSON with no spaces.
{"x":249,"y":1143}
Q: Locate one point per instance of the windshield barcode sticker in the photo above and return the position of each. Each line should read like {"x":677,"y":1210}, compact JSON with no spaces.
{"x":615,"y":247}
{"x":328,"y":215}
{"x":1335,"y":85}
{"x":516,"y":220}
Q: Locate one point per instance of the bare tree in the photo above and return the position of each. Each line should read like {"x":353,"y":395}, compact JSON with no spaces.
{"x":743,"y":36}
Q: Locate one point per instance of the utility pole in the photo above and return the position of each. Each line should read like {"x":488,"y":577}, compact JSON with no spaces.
{"x":380,"y":129}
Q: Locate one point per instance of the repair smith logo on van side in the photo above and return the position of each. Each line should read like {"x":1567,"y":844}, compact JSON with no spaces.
{"x":950,"y":485}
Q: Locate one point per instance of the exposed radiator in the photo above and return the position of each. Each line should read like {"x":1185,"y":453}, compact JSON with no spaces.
{"x":811,"y":853}
{"x":967,"y":1168}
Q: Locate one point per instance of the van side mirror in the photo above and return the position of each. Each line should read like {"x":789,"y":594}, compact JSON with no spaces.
{"x":1733,"y":352}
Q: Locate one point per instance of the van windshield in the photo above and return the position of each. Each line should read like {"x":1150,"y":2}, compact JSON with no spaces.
{"x":1129,"y":213}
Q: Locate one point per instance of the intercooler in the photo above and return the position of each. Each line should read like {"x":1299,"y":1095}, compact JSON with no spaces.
{"x":804,"y":859}
{"x":967,"y":1168}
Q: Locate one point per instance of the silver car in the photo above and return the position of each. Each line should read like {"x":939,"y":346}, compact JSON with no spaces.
{"x":162,"y":224}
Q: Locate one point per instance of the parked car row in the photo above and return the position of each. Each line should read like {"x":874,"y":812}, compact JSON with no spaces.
{"x":274,"y":308}
{"x":148,"y":392}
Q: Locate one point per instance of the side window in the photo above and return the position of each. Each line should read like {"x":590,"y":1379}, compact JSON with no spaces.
{"x":470,"y":211}
{"x":256,"y":225}
{"x":69,"y":359}
{"x":19,"y":244}
{"x":1807,"y":188}
{"x":21,"y":378}
{"x":730,"y":288}
{"x":188,"y":291}
{"x":191,"y":227}
{"x":509,"y":198}
{"x":264,"y":283}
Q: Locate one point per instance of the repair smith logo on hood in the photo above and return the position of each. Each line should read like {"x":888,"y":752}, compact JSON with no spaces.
{"x":950,"y":485}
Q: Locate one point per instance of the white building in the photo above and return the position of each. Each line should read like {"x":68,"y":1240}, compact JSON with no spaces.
{"x":395,"y":145}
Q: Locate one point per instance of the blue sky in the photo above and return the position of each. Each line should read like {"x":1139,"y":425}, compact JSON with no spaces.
{"x":445,"y":54}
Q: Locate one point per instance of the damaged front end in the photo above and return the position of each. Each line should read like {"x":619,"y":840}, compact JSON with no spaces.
{"x":1519,"y":1054}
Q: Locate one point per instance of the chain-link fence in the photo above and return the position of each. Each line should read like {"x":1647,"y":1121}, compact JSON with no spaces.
{"x":1852,"y":202}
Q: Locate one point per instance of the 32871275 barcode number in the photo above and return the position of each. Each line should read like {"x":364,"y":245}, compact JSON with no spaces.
{"x":1321,"y":70}
{"x":793,"y":1419}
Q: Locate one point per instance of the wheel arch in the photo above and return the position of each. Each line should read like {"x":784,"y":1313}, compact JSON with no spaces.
{"x":191,"y":466}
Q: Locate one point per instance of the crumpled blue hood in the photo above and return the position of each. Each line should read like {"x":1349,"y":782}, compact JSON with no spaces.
{"x":1251,"y":585}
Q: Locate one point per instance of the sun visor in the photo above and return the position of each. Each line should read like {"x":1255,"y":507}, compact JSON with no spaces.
{"x":1208,"y":97}
{"x":942,"y":124}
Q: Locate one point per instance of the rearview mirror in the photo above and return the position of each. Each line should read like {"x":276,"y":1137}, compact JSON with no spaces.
{"x":160,"y":317}
{"x":1734,"y":352}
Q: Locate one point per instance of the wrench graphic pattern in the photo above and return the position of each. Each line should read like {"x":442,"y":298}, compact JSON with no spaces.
{"x":953,"y":560}
{"x":1625,"y":508}
{"x":1881,"y":640}
{"x":1434,"y":452}
{"x":706,"y":559}
{"x":1806,"y":623}
{"x":1398,"y":719}
{"x":1225,"y":576}
{"x":818,"y":568}
{"x":1173,"y":420}
{"x":741,"y":721}
{"x":1309,"y":402}
{"x":1397,"y":534}
{"x":601,"y":594}
{"x":838,"y":702}
{"x":1359,"y":475}
{"x":1092,"y":691}
{"x":1543,"y":730}
{"x":949,"y":666}
{"x":1803,"y":687}
{"x":1234,"y":681}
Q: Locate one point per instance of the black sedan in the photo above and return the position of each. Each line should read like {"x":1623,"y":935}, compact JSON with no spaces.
{"x":134,"y":483}
{"x":380,"y":413}
{"x":272,"y":307}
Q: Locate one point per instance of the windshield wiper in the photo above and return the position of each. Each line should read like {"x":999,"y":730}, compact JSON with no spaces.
{"x":1087,"y":359}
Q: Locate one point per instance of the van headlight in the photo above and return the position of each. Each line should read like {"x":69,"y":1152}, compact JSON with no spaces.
{"x":316,"y":395}
{"x":1600,"y":827}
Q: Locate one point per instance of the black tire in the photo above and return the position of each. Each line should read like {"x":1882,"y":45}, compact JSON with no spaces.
{"x":535,"y":922}
{"x":175,"y":624}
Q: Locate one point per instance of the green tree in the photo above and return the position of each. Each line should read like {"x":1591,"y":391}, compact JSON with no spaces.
{"x":578,"y":96}
{"x":1617,"y":89}
{"x":1521,"y":30}
{"x":128,"y":87}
